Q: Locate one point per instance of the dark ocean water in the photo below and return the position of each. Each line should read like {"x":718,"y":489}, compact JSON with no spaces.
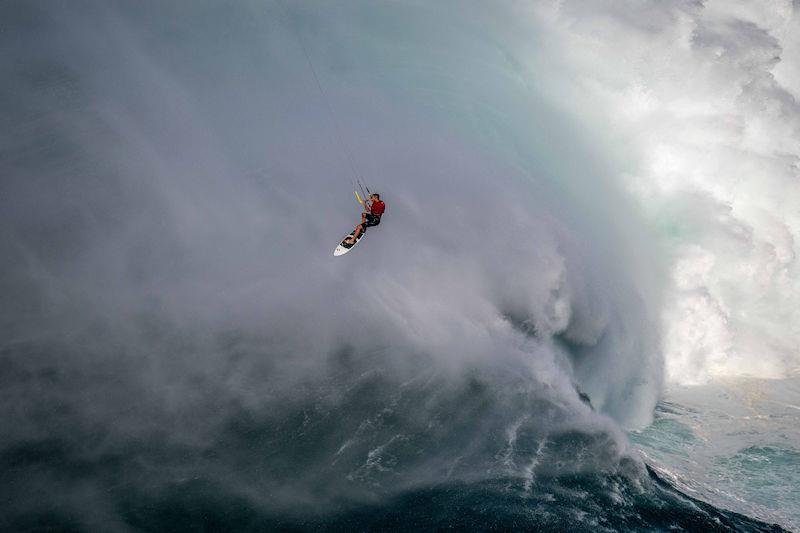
{"x":201,"y":502}
{"x":355,"y":452}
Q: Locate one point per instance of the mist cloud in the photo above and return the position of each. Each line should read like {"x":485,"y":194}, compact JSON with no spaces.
{"x":703,"y":97}
{"x":172,"y":192}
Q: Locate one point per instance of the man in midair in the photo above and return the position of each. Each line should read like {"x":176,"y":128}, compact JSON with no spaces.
{"x":371,"y":217}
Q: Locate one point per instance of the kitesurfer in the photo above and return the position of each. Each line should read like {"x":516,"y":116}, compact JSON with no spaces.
{"x":371,"y":217}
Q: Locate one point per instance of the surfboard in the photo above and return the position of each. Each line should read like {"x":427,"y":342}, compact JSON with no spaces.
{"x":343,"y":247}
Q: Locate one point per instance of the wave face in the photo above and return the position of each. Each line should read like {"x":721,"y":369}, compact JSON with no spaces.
{"x":182,"y":351}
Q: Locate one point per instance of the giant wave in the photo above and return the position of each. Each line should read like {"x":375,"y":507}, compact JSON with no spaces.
{"x":182,"y":351}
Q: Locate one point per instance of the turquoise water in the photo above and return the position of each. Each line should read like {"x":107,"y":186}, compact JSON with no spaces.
{"x":733,"y":444}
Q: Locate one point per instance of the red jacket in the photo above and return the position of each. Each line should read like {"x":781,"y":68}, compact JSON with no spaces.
{"x":377,"y":207}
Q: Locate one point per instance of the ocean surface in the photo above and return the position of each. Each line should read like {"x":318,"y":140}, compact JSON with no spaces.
{"x":579,"y":311}
{"x":363,"y":452}
{"x":733,"y":444}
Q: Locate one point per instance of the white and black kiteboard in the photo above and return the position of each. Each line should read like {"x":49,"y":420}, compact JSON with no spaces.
{"x":344,"y":247}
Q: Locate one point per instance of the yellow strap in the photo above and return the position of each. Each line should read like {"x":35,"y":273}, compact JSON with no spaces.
{"x":359,"y":198}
